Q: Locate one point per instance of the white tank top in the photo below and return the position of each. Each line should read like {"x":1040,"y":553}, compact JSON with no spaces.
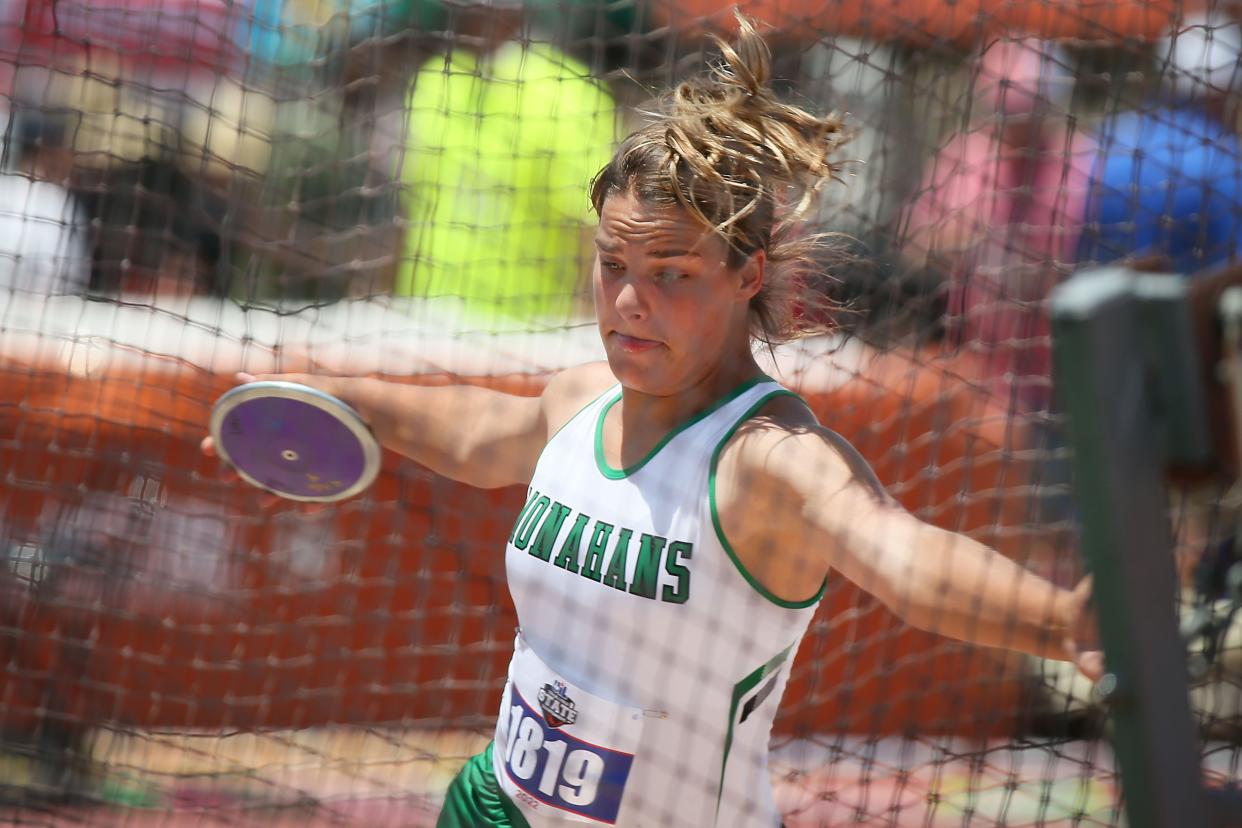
{"x":648,"y":664}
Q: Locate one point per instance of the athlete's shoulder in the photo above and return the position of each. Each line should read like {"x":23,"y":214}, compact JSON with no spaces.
{"x":571,"y":390}
{"x":785,"y":440}
{"x":782,"y":412}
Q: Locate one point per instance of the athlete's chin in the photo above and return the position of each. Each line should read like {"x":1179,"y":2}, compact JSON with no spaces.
{"x":628,"y":371}
{"x":639,"y":372}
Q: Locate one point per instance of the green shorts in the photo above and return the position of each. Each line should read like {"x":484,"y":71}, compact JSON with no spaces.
{"x":475,"y":800}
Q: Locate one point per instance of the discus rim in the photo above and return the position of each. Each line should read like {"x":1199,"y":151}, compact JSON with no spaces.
{"x":338,"y":409}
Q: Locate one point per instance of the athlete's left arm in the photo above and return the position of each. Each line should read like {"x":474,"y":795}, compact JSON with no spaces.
{"x":799,"y":501}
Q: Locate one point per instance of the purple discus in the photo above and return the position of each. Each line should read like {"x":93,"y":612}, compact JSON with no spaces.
{"x":295,"y":441}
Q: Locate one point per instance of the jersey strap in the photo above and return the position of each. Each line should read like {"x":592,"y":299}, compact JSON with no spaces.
{"x":711,"y":499}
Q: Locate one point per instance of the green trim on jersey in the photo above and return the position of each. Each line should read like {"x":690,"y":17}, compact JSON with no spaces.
{"x":741,"y":689}
{"x":475,"y":800}
{"x":720,"y":535}
{"x":620,"y":474}
{"x":578,"y":413}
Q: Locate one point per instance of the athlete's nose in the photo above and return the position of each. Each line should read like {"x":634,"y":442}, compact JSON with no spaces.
{"x":629,"y":302}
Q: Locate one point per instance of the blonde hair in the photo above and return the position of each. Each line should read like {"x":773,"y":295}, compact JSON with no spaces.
{"x":746,"y":165}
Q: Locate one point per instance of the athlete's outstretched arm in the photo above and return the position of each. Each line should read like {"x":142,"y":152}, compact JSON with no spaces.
{"x":823,"y":509}
{"x":475,"y":435}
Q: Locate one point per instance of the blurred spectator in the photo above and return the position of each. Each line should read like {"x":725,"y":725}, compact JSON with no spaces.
{"x":158,"y":234}
{"x":157,"y":41}
{"x":188,"y":267}
{"x":503,"y":137}
{"x":294,"y":32}
{"x":290,"y":33}
{"x":1168,"y":181}
{"x":869,"y":82}
{"x":43,"y":237}
{"x":859,"y":77}
{"x":998,"y":214}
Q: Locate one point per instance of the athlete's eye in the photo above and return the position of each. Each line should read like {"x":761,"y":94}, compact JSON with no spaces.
{"x":612,"y":267}
{"x":670,"y":275}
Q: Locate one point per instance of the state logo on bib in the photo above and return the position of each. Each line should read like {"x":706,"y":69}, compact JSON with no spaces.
{"x":569,"y":751}
{"x":558,"y":708}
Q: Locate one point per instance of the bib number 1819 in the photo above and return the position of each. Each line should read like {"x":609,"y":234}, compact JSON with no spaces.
{"x":562,"y":771}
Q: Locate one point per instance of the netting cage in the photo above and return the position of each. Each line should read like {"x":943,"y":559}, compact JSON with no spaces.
{"x":400,"y":189}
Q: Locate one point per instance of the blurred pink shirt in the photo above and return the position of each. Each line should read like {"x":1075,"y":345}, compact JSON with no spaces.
{"x":1005,"y":244}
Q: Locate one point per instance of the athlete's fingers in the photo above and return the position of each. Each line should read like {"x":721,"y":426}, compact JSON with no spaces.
{"x":1091,"y":664}
{"x":208,"y":448}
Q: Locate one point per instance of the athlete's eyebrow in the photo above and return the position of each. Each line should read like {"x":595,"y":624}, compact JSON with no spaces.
{"x":675,"y":254}
{"x":608,"y":246}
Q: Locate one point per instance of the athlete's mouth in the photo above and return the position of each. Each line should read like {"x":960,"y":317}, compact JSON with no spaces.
{"x":634,"y":344}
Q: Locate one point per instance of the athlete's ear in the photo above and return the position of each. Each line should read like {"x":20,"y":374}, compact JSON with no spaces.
{"x":752,"y":272}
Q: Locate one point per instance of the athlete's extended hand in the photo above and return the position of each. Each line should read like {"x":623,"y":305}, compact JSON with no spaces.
{"x":1081,"y":643}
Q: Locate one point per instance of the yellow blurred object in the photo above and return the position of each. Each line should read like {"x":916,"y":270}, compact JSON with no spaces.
{"x":499,"y":155}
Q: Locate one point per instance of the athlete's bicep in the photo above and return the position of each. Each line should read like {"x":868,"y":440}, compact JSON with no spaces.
{"x":822,"y":508}
{"x":498,"y":437}
{"x":489,"y":438}
{"x":871,"y":539}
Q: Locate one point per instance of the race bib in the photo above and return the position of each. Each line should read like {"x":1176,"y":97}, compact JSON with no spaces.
{"x":560,"y":748}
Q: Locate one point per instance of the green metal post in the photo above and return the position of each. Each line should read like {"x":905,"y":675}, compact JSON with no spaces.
{"x":1106,"y":386}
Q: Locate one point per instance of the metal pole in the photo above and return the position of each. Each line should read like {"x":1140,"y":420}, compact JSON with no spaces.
{"x":1105,"y":385}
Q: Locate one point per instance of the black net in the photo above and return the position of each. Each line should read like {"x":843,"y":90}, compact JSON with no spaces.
{"x":399,"y":189}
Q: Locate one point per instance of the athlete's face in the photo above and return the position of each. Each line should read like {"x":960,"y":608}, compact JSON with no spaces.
{"x":669,"y":307}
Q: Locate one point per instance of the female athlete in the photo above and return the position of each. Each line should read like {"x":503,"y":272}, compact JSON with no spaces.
{"x":685,"y":510}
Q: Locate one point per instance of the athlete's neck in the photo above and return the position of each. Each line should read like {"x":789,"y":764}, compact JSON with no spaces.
{"x":645,"y":419}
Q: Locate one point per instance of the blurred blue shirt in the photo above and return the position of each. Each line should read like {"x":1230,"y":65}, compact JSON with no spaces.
{"x":1166,"y":181}
{"x":293,"y":32}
